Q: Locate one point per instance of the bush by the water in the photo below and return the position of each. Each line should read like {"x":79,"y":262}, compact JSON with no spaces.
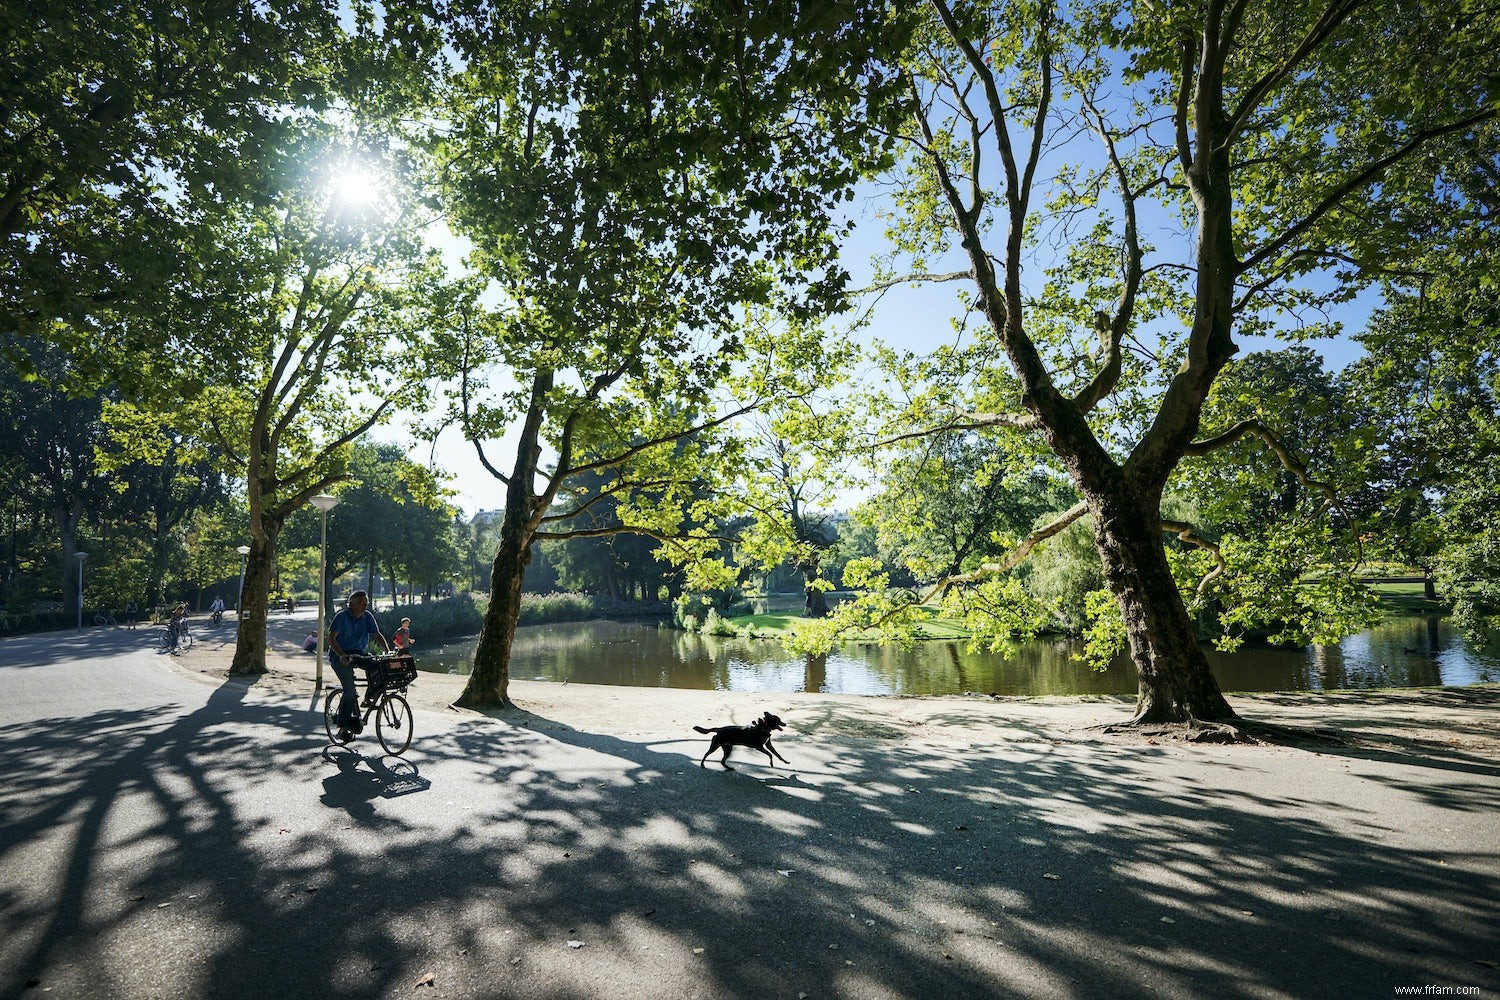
{"x":456,"y":616}
{"x":544,"y":609}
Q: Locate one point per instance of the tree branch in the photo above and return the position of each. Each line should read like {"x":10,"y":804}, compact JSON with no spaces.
{"x":1330,"y":20}
{"x":1359,"y":180}
{"x":971,"y":422}
{"x":1289,"y":461}
{"x":904,"y":279}
{"x":1012,"y":560}
{"x":1188,"y":533}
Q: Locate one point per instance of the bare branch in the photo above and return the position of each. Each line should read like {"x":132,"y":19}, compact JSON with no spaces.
{"x":1012,"y":560}
{"x":1112,"y":328}
{"x":992,"y":96}
{"x":1184,"y":99}
{"x":629,"y":453}
{"x":1188,"y":533}
{"x":968,"y":422}
{"x":912,"y":278}
{"x":463,"y":393}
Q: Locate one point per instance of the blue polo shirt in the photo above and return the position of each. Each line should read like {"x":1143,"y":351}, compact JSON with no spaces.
{"x":352,"y":634}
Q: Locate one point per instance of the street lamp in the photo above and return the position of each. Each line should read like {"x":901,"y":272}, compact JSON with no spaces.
{"x":239,"y":601}
{"x":324,"y":503}
{"x":80,"y":556}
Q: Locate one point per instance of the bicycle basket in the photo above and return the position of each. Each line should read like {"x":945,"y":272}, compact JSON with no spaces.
{"x":398,"y":671}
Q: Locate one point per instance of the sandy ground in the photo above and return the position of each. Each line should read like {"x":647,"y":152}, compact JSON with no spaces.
{"x":1458,"y":723}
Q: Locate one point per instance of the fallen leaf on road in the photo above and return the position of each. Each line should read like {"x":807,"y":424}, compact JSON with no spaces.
{"x":427,"y":980}
{"x":697,"y":951}
{"x":575,"y":944}
{"x":1055,"y":878}
{"x":788,"y":872}
{"x":1168,"y":920}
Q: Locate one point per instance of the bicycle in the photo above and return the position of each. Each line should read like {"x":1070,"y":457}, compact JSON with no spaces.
{"x":387,"y":678}
{"x":176,"y":638}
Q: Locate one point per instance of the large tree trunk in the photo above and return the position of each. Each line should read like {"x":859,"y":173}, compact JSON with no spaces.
{"x":489,"y":681}
{"x":250,"y":646}
{"x":1176,"y":684}
{"x":814,"y":600}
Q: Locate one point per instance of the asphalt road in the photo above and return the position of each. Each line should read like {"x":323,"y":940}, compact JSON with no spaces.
{"x":164,"y":837}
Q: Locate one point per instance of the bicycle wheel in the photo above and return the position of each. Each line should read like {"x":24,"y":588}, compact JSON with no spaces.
{"x":330,"y":714}
{"x":184,"y":640}
{"x":393,"y":724}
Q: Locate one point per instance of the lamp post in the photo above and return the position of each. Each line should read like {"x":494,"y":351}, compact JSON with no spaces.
{"x":239,"y":600}
{"x":80,"y":556}
{"x":324,"y":503}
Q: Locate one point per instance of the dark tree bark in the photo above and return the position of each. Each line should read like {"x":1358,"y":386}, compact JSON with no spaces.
{"x":250,"y":646}
{"x":489,"y":680}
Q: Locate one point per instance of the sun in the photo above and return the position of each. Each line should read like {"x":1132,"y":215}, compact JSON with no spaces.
{"x":355,"y":187}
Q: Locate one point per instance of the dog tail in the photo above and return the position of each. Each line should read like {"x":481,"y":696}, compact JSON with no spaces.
{"x":700,"y":729}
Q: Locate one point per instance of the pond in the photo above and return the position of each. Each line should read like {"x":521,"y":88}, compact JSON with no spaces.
{"x":1405,"y":651}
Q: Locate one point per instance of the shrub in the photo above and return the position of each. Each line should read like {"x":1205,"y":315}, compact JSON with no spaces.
{"x":438,"y":620}
{"x":542,"y":609}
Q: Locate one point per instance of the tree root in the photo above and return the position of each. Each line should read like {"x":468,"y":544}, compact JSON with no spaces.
{"x":1238,"y":731}
{"x":1192,"y":731}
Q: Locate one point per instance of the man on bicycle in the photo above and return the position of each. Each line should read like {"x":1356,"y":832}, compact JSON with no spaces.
{"x":349,"y":635}
{"x":174,"y":624}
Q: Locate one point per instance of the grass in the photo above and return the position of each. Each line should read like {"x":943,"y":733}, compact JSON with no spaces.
{"x":1407,"y":598}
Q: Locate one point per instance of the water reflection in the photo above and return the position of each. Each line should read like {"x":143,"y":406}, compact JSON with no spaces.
{"x":1408,"y":651}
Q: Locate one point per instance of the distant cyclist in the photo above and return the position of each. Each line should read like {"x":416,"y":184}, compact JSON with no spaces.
{"x":217,"y":607}
{"x":349,"y":634}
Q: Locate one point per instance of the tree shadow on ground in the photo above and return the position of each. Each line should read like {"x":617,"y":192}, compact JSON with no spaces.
{"x":252,"y":858}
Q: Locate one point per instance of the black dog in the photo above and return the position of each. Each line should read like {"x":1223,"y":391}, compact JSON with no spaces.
{"x":757,"y":735}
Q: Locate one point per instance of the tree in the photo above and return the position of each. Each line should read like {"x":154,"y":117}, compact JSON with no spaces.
{"x":50,"y":452}
{"x":1291,"y":142}
{"x":622,"y":566}
{"x":951,"y":497}
{"x":633,"y":177}
{"x":112,"y":112}
{"x":1434,"y":373}
{"x":315,"y":307}
{"x":794,"y":508}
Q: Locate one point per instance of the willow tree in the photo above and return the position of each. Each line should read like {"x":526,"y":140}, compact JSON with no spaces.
{"x":634,"y":177}
{"x":1131,"y":186}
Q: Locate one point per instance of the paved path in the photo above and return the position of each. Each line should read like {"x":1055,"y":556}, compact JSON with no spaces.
{"x":165,"y":837}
